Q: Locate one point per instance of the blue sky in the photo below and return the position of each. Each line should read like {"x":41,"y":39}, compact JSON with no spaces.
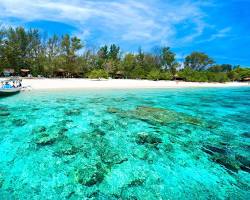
{"x":218,"y":28}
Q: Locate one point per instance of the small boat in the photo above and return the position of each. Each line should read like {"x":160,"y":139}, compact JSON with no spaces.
{"x":9,"y":91}
{"x":10,"y":87}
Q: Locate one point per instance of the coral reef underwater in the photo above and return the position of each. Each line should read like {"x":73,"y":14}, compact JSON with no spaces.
{"x":145,"y":144}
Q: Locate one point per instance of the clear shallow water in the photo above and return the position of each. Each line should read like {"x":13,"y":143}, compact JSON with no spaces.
{"x":135,"y":144}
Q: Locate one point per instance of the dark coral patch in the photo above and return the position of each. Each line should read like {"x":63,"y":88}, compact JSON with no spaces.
{"x":72,"y":112}
{"x":90,"y":175}
{"x":48,"y":135}
{"x":145,"y":138}
{"x":19,"y":122}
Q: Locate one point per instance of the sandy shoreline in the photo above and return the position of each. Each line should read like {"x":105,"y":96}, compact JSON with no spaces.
{"x":38,"y":84}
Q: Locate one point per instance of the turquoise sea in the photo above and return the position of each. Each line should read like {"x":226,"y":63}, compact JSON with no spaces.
{"x":126,"y":144}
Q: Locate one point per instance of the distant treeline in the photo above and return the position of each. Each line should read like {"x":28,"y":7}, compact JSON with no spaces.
{"x":59,"y":56}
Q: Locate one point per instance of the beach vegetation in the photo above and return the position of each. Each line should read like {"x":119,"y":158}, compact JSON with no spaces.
{"x":191,"y":75}
{"x":242,"y":72}
{"x":66,"y":56}
{"x":154,"y":75}
{"x":159,"y":75}
{"x":221,"y":68}
{"x":198,"y":61}
{"x":98,"y":73}
{"x":169,"y":60}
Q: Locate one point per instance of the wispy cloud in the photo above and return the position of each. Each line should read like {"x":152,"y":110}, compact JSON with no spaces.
{"x":186,"y":25}
{"x":222,"y":33}
{"x":143,"y":21}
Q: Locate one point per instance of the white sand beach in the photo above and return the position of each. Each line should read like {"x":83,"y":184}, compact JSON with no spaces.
{"x":38,"y":84}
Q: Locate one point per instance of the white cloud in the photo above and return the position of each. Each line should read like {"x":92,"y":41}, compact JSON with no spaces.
{"x":222,"y":33}
{"x":148,"y":21}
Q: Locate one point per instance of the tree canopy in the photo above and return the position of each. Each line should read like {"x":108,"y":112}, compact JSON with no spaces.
{"x":21,"y":48}
{"x":198,"y":61}
{"x":169,"y":60}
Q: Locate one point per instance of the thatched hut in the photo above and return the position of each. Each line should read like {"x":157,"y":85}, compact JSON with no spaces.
{"x":24,"y":72}
{"x":8,"y":72}
{"x":60,"y":73}
{"x":119,"y":75}
{"x":246,"y":79}
{"x":178,"y":78}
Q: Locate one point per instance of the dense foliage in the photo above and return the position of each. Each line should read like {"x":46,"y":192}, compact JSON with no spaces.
{"x":60,"y":56}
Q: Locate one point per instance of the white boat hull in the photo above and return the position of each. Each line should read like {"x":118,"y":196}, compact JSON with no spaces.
{"x":9,"y":91}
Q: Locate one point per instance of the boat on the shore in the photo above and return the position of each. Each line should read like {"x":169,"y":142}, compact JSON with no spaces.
{"x":10,"y":87}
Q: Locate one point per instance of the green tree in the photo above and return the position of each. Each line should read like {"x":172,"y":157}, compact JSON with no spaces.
{"x":233,"y":75}
{"x":2,"y":45}
{"x":198,"y":61}
{"x":169,"y":61}
{"x":21,"y":48}
{"x":53,"y":50}
{"x":98,"y":73}
{"x":114,"y":52}
{"x":103,"y":52}
{"x":103,"y":55}
{"x":150,"y":62}
{"x":220,"y":68}
{"x":226,"y":67}
{"x":139,"y":70}
{"x":128,"y":64}
{"x":70,"y":46}
{"x":242,"y":72}
{"x":154,"y":75}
